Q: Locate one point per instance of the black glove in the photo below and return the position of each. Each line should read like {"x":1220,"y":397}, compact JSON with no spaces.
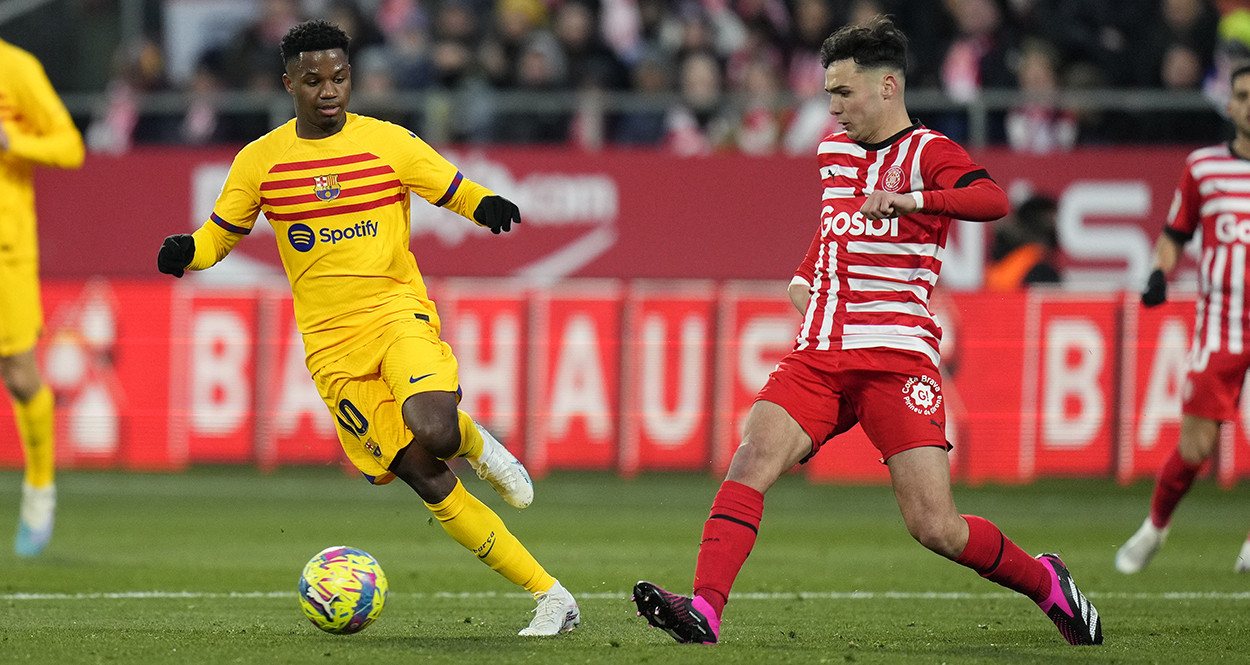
{"x":176,"y":253}
{"x":1156,"y":292}
{"x":497,"y":214}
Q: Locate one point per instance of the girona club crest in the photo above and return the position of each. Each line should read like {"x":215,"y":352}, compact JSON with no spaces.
{"x":923,"y":395}
{"x":892,"y":181}
{"x":326,"y":187}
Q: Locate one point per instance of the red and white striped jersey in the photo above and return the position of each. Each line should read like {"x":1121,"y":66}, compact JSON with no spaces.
{"x":870,"y":281}
{"x":1214,"y":196}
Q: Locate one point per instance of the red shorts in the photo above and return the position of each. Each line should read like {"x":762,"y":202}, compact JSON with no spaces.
{"x":1213,"y":383}
{"x":896,"y":396}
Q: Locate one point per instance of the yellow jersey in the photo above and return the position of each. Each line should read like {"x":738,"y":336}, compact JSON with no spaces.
{"x":339,"y":207}
{"x":41,"y":133}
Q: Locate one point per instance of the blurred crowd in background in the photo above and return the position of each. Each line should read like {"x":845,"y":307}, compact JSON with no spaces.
{"x":741,"y":75}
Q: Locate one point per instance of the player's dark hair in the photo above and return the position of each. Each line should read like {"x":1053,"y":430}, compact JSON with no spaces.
{"x":316,"y":35}
{"x":1238,"y":73}
{"x":877,"y":43}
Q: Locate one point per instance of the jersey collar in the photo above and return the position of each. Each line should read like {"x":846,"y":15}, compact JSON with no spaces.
{"x":915,"y":124}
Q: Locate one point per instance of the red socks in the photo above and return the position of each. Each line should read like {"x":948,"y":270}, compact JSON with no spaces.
{"x":1173,"y":482}
{"x":999,"y":560}
{"x":728,"y":536}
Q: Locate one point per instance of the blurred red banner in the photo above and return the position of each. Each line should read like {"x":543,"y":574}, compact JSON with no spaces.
{"x":613,"y":375}
{"x":618,"y":215}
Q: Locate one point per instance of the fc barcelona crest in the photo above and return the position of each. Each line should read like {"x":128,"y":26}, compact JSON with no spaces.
{"x":326,"y":187}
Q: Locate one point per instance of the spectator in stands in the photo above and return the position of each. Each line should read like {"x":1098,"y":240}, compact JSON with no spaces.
{"x":810,"y":119}
{"x":1187,"y":23}
{"x":975,"y":57}
{"x":1024,"y":247}
{"x":202,"y":123}
{"x":247,"y":60}
{"x":137,"y":69}
{"x":515,"y":22}
{"x":1037,"y":123}
{"x":1181,"y":71}
{"x":764,"y":112}
{"x":363,"y":32}
{"x":410,"y":52}
{"x":1232,"y":49}
{"x":590,"y":61}
{"x":456,"y":35}
{"x":541,"y":68}
{"x":698,"y":125}
{"x":651,"y":79}
{"x":374,"y":85}
{"x":1097,"y":34}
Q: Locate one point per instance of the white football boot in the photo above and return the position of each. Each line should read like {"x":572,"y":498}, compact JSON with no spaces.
{"x":503,"y":471}
{"x":38,"y":513}
{"x":556,"y":613}
{"x":1243,"y":559}
{"x":1137,"y":551}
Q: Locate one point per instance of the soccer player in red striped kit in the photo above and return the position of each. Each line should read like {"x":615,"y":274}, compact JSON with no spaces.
{"x":867,"y":350}
{"x":1214,"y":196}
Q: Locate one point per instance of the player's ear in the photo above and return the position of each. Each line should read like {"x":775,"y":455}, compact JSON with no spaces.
{"x":889,"y":85}
{"x":286,"y":83}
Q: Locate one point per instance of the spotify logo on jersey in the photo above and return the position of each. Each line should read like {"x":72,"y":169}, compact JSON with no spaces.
{"x":302,"y":237}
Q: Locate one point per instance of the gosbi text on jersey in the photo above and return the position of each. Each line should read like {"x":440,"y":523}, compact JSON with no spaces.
{"x":871,"y":280}
{"x":1214,"y":196}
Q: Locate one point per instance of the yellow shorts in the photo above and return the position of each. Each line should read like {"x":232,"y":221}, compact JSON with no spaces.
{"x":21,"y":312}
{"x":366,"y":389}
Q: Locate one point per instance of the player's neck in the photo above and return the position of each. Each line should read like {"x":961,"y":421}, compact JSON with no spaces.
{"x":889,"y":129}
{"x":312,"y":132}
{"x":897,"y":121}
{"x":1241,"y":145}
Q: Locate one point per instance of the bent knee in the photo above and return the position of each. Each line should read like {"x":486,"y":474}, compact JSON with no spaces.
{"x":939,"y":538}
{"x":22,"y":386}
{"x":438,"y":436}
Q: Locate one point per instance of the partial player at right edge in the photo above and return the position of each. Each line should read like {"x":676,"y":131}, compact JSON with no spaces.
{"x":1214,"y":196}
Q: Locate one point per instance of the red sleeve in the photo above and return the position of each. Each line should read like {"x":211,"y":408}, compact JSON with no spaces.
{"x":807,"y":269}
{"x":980,"y":201}
{"x":1185,"y":214}
{"x":958,"y":187}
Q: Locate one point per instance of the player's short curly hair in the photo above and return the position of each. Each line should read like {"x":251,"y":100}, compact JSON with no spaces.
{"x":314,"y":35}
{"x":877,"y":43}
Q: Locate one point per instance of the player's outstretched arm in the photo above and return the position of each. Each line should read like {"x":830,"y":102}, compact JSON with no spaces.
{"x":497,"y":213}
{"x":204,"y":249}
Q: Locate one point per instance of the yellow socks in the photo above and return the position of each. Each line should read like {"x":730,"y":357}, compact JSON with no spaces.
{"x":471,"y":442}
{"x":34,"y":425}
{"x":472,"y":524}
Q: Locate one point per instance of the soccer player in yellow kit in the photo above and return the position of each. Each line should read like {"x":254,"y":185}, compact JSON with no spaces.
{"x":336,"y":188}
{"x":35,"y":130}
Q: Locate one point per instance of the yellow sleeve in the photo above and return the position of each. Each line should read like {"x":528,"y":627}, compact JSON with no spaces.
{"x":212,"y":244}
{"x":235,"y":212}
{"x":48,"y":137}
{"x":430,"y":176}
{"x":466,"y":198}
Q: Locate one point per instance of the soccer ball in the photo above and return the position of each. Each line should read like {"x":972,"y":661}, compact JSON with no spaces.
{"x":342,"y":590}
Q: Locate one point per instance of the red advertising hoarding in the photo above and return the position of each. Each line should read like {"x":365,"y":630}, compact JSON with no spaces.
{"x":606,"y":375}
{"x":668,"y":346}
{"x":575,"y":382}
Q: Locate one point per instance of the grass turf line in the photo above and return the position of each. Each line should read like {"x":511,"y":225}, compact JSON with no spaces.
{"x":215,"y":532}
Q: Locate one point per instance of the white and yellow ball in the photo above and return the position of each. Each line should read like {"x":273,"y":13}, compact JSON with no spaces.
{"x":342,"y":590}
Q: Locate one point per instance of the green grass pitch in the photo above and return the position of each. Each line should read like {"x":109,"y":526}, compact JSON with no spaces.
{"x":202,"y":567}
